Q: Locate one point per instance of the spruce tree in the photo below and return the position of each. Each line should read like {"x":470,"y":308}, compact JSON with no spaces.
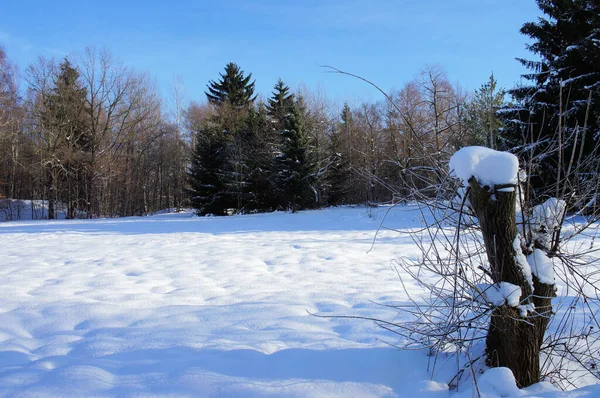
{"x":281,"y":102}
{"x":294,"y":166}
{"x":556,"y":116}
{"x":232,"y":88}
{"x":69,"y":103}
{"x":278,"y":107}
{"x":207,"y":188}
{"x":481,"y":120}
{"x":232,"y":95}
{"x":259,"y":155}
{"x":69,"y":138}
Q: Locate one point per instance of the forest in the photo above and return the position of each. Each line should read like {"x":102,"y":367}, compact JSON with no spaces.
{"x":94,"y":137}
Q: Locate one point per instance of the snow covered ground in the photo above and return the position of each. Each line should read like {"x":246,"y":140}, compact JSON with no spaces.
{"x":177,"y":305}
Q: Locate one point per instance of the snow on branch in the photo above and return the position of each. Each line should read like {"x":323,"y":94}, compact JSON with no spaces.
{"x":542,"y":266}
{"x":549,"y":215}
{"x":498,"y":294}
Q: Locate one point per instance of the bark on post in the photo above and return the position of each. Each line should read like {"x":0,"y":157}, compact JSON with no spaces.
{"x":513,"y":340}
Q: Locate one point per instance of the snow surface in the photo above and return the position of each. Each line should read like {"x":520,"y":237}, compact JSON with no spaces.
{"x":188,"y":306}
{"x":177,"y":305}
{"x":488,"y":166}
{"x":496,"y":382}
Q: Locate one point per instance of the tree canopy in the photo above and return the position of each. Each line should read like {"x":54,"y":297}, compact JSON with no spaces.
{"x":233,"y":88}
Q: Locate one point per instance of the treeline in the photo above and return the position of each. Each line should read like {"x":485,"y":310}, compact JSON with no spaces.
{"x":90,"y":135}
{"x":296,"y":151}
{"x":96,"y":138}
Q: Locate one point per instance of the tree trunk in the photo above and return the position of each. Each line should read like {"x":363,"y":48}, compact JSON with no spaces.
{"x":51,"y":188}
{"x":90,"y":193}
{"x":513,"y":340}
{"x":513,"y":343}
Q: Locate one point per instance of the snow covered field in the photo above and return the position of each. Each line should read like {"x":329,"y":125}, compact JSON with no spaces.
{"x":177,"y":305}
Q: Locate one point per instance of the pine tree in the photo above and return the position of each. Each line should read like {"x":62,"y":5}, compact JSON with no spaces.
{"x":248,"y":158}
{"x":481,"y":120}
{"x":346,"y":128}
{"x":557,"y":115}
{"x":259,"y":159}
{"x":295,"y":169}
{"x":232,"y":96}
{"x":281,"y":102}
{"x":232,"y":88}
{"x":208,"y":190}
{"x":278,"y":108}
{"x":69,"y":139}
{"x":68,"y":104}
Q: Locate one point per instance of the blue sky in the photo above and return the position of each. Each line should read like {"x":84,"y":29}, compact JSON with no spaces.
{"x":388,"y":42}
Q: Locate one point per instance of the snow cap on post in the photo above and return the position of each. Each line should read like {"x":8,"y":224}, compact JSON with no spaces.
{"x":489,"y":167}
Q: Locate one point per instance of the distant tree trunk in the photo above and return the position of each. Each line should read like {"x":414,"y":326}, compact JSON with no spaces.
{"x":91,"y":193}
{"x":70,"y":194}
{"x":513,"y":340}
{"x":51,"y":185}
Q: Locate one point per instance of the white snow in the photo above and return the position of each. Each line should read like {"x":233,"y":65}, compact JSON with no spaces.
{"x":550,"y":213}
{"x":488,"y":166}
{"x":521,"y":260}
{"x":546,"y":218}
{"x":177,"y":305}
{"x":499,"y":294}
{"x":525,"y":309}
{"x":508,"y":189}
{"x":541,"y":266}
{"x":497,"y":382}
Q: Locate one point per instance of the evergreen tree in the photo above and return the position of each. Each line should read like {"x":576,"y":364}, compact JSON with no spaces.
{"x":207,"y":188}
{"x":338,"y":170}
{"x":68,"y":139}
{"x":295,"y":169}
{"x":68,"y":104}
{"x":281,"y":102}
{"x":279,"y":106}
{"x":259,"y":159}
{"x":559,"y":110}
{"x":346,"y":115}
{"x":232,"y":88}
{"x":232,"y":96}
{"x":346,"y":131}
{"x":248,"y":158}
{"x":481,"y":120}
